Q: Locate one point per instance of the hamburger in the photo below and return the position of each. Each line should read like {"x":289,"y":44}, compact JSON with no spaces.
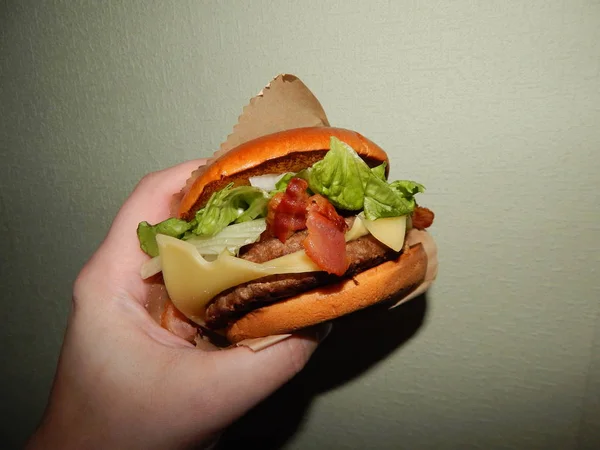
{"x":284,"y":232}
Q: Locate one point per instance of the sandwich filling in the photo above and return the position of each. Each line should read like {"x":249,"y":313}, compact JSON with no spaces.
{"x":314,"y":213}
{"x":360,"y":254}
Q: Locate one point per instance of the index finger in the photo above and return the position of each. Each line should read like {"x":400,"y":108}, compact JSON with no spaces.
{"x":119,"y":257}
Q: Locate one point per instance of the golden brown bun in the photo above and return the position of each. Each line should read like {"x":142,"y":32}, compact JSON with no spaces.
{"x":365,"y":289}
{"x":285,"y":151}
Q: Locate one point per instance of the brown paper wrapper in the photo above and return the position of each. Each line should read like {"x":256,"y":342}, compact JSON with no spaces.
{"x":414,"y":237}
{"x":283,"y":104}
{"x":262,"y":343}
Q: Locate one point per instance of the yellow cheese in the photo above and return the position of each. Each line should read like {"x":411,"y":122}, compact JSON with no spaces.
{"x":192,"y":281}
{"x":358,"y":230}
{"x":389,"y":231}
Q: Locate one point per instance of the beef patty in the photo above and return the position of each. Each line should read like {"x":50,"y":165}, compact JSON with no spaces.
{"x":229,"y":305}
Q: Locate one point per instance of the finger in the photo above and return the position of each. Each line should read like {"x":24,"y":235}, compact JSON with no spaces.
{"x":150,"y":200}
{"x":244,"y":378}
{"x":119,"y":257}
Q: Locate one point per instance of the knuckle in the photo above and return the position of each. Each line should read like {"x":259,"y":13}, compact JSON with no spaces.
{"x":147,"y":180}
{"x":79,"y":285}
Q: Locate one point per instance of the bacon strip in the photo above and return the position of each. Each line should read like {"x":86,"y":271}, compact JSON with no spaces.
{"x":294,"y":210}
{"x":287,"y":211}
{"x":422,"y":218}
{"x":321,"y":205}
{"x":325,"y":243}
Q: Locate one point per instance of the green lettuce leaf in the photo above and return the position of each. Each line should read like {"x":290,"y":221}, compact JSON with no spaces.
{"x":227,"y":206}
{"x":231,"y":238}
{"x":282,"y":184}
{"x":171,"y":227}
{"x":406,"y":188}
{"x":379,"y":171}
{"x":382,"y":201}
{"x":257,"y":208}
{"x":349,"y":183}
{"x":230,"y":205}
{"x":341,"y":176}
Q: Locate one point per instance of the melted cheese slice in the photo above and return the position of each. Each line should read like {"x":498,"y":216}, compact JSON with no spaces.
{"x":358,"y":230}
{"x":192,"y":281}
{"x":389,"y":231}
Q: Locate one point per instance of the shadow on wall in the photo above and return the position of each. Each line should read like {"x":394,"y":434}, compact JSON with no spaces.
{"x":342,"y":357}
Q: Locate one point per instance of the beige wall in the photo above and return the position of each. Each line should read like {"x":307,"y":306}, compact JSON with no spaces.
{"x":494,"y":106}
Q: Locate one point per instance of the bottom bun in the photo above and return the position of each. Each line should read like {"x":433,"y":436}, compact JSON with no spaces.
{"x":320,"y":305}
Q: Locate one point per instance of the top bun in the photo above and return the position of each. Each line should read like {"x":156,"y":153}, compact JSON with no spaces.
{"x":285,"y":151}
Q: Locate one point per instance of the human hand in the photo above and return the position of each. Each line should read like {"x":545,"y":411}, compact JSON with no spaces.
{"x":122,"y":380}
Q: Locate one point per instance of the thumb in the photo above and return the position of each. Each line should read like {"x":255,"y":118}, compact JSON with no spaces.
{"x":246,"y":377}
